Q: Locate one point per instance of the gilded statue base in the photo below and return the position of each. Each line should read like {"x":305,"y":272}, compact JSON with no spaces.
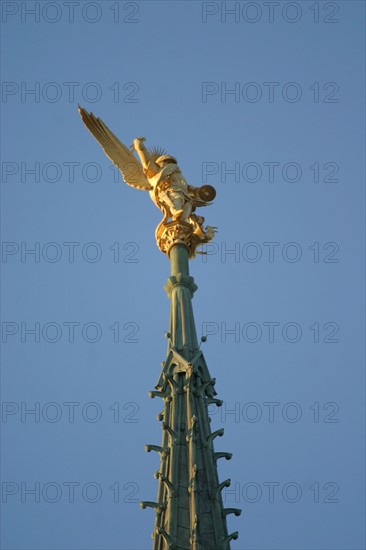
{"x":188,"y":233}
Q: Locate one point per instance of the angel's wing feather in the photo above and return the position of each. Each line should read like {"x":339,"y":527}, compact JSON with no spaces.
{"x":119,"y":154}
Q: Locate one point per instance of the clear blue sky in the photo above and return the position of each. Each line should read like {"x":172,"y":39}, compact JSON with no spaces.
{"x":291,"y":293}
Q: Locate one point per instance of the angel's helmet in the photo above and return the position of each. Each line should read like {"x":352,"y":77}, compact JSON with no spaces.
{"x":166,"y":159}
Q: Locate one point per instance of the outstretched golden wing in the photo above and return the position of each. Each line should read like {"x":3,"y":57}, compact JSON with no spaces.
{"x":120,"y":155}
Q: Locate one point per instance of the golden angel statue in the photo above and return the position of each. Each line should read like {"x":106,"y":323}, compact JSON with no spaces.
{"x":160,"y":175}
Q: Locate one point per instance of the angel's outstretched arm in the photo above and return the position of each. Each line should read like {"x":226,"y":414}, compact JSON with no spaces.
{"x":142,"y":152}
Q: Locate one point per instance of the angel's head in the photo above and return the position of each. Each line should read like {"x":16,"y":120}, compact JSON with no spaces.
{"x":163,"y":160}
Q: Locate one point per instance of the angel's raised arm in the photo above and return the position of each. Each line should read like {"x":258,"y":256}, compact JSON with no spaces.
{"x":143,"y":153}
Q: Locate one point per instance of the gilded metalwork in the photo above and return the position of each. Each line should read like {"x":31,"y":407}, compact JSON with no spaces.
{"x":160,"y":175}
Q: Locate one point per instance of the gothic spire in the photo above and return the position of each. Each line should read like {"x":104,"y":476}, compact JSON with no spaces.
{"x":189,"y":512}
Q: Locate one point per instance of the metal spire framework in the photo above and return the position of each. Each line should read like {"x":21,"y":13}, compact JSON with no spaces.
{"x":189,"y":512}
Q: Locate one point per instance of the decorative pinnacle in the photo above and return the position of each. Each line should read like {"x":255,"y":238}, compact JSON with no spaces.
{"x":186,"y":516}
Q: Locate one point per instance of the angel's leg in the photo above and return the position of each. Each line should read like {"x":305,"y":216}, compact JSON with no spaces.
{"x":187,"y":210}
{"x":174,"y":202}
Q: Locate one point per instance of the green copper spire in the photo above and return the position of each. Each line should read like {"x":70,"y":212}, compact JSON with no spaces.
{"x":189,"y":508}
